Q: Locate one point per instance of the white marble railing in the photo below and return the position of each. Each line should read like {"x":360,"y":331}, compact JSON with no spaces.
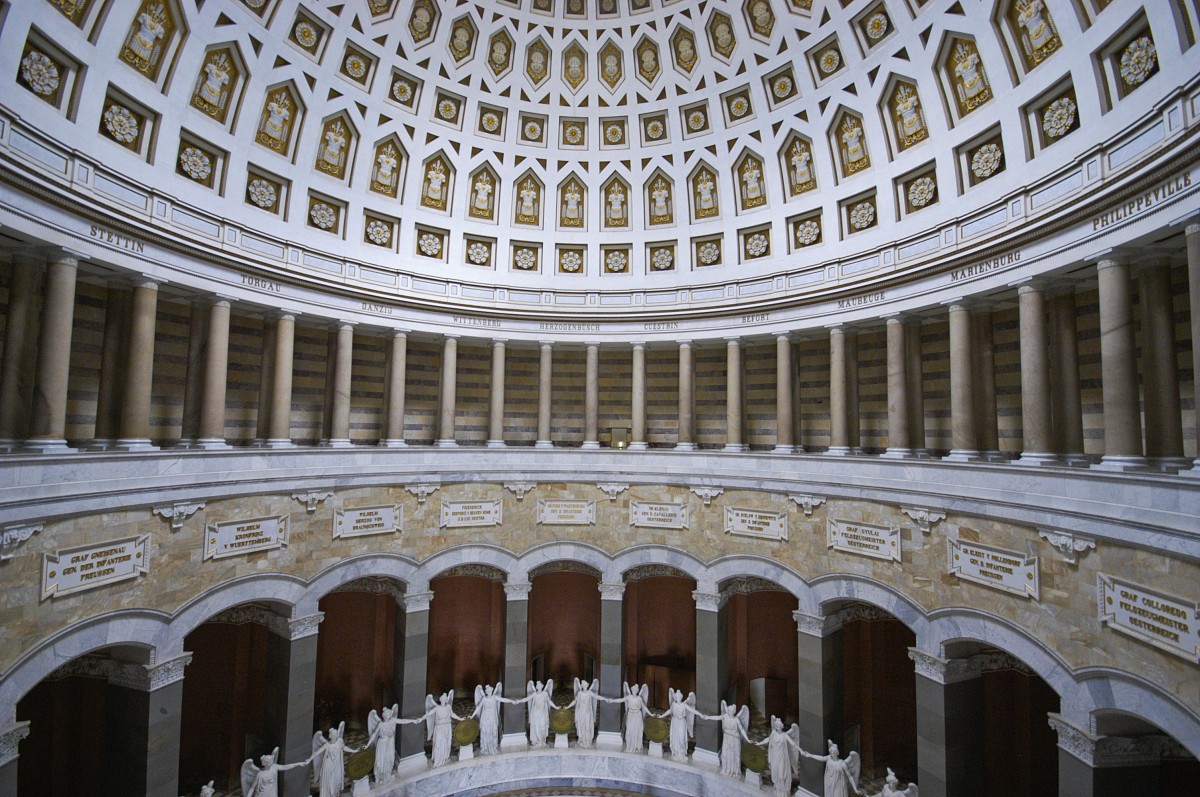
{"x":1145,"y":510}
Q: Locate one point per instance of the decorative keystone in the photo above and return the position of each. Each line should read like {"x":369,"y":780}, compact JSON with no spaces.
{"x":708,"y":493}
{"x":178,"y":512}
{"x":807,"y":502}
{"x":612,"y":489}
{"x":1071,"y":545}
{"x":13,"y":537}
{"x":422,"y":491}
{"x":311,"y":498}
{"x":520,"y":488}
{"x":924,"y":518}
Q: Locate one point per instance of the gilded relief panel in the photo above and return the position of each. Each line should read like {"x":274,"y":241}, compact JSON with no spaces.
{"x":851,"y":144}
{"x":752,"y":191}
{"x":966,"y":73}
{"x":1034,"y":29}
{"x":387,"y":166}
{"x":705,"y":203}
{"x":280,"y":112}
{"x":485,"y":185}
{"x":218,"y":79}
{"x":660,"y":200}
{"x":615,"y":195}
{"x":572,"y":207}
{"x":907,"y":115}
{"x":150,"y":34}
{"x":798,"y":165}
{"x":337,"y":140}
{"x":436,"y":183}
{"x":528,"y":201}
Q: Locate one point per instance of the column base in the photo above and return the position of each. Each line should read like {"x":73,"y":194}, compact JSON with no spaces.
{"x":782,"y":449}
{"x":734,"y":447}
{"x":279,"y":443}
{"x":336,"y":442}
{"x":46,"y":446}
{"x":466,"y":752}
{"x":1037,"y":458}
{"x":8,"y":445}
{"x":1194,"y":473}
{"x":685,"y":446}
{"x":133,"y":444}
{"x":514,"y":742}
{"x":445,"y":442}
{"x":591,"y":445}
{"x":706,"y":758}
{"x":412,"y":765}
{"x":654,"y":750}
{"x":99,"y":444}
{"x":994,"y":455}
{"x":838,"y":451}
{"x":543,"y":444}
{"x":898,"y":453}
{"x":1122,"y":463}
{"x":1170,"y":464}
{"x":963,"y":455}
{"x":640,"y":445}
{"x":611,"y":741}
{"x":210,"y":444}
{"x":393,"y":443}
{"x":497,"y":444}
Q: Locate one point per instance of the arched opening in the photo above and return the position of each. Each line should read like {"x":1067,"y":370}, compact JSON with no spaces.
{"x":466,"y":629}
{"x":762,"y":658}
{"x":564,"y":623}
{"x":660,"y":631}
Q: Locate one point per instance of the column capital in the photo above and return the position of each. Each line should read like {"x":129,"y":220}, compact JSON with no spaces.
{"x":893,"y":319}
{"x":343,"y":323}
{"x":145,"y":281}
{"x":787,"y":337}
{"x":10,"y":739}
{"x":945,"y":671}
{"x":217,"y":300}
{"x":1110,"y":751}
{"x":816,"y":625}
{"x":1028,"y":285}
{"x":1111,"y":261}
{"x":399,"y":333}
{"x":499,"y":342}
{"x":296,"y":627}
{"x":417,"y":601}
{"x":65,"y":257}
{"x":612,"y":592}
{"x":1192,"y":227}
{"x":283,"y":314}
{"x":449,"y":336}
{"x":707,"y":601}
{"x":684,"y":344}
{"x":546,"y":344}
{"x":638,"y":344}
{"x":733,"y":340}
{"x":150,"y":677}
{"x":517,"y":590}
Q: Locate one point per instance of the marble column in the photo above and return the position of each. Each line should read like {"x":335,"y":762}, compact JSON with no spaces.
{"x":496,"y":408}
{"x":591,"y":398}
{"x":266,"y":382}
{"x":915,"y":382}
{"x":412,"y":758}
{"x":785,"y":432}
{"x":686,"y":440}
{"x":145,"y":708}
{"x":397,"y":356}
{"x":1066,"y":406}
{"x":10,"y":741}
{"x":949,"y":725}
{"x":711,"y":673}
{"x":20,"y":350}
{"x":516,"y":671}
{"x":637,"y":440}
{"x":216,"y":370}
{"x":819,"y":645}
{"x":49,"y":419}
{"x":139,"y":374}
{"x":113,"y":346}
{"x":853,"y":421}
{"x":797,"y":404}
{"x":964,"y":444}
{"x":987,"y":427}
{"x":1091,"y":765}
{"x":733,"y":395}
{"x":291,"y":694}
{"x":839,"y":417}
{"x":1192,"y":232}
{"x":1160,"y":373}
{"x":612,"y":619}
{"x":1118,"y":361}
{"x":1037,"y":447}
{"x":280,"y":435}
{"x":899,"y":439}
{"x":339,"y":434}
{"x":545,"y":388}
{"x":193,"y":386}
{"x":449,"y":394}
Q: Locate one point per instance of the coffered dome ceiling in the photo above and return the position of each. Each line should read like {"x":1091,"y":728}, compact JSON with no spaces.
{"x":536,"y":142}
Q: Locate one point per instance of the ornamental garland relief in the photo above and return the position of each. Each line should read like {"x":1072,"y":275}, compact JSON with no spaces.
{"x":571,"y":205}
{"x":336,"y":140}
{"x":537,"y":62}
{"x":908,"y":117}
{"x":648,"y":65}
{"x":215,"y":84}
{"x":704,"y":194}
{"x":965,"y":71}
{"x":151,"y":32}
{"x":276,"y":120}
{"x":683,"y":48}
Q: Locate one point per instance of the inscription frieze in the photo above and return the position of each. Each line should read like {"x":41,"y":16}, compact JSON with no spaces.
{"x":1007,"y":571}
{"x":756,"y":523}
{"x":90,"y":566}
{"x":466,"y":514}
{"x":864,"y":539}
{"x":1164,"y":621}
{"x":365,"y":521}
{"x":658,"y":515}
{"x":237,"y":537}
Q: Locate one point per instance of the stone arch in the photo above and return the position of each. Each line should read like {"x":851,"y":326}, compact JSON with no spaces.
{"x":137,"y":627}
{"x":490,"y":555}
{"x":829,"y":589}
{"x":727,"y":567}
{"x":1114,"y":691}
{"x":274,"y":588}
{"x":568,"y":551}
{"x":662,"y":555}
{"x":394,"y":567}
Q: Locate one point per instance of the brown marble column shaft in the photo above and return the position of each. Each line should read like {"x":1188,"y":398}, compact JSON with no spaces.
{"x":266,"y":382}
{"x":915,"y":382}
{"x":785,"y":433}
{"x":496,"y":398}
{"x":449,"y":394}
{"x":1066,"y":407}
{"x":49,"y":419}
{"x":397,"y":357}
{"x":139,"y":376}
{"x":193,"y":386}
{"x":899,"y":444}
{"x":983,"y":354}
{"x":686,"y":440}
{"x":1118,"y":360}
{"x":281,"y":385}
{"x":216,"y":371}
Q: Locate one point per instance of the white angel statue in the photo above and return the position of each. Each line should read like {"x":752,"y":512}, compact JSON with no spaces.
{"x":783,"y":753}
{"x":635,"y":701}
{"x":586,"y":697}
{"x":735,"y":725}
{"x":841,"y":775}
{"x":891,"y":788}
{"x":487,"y":708}
{"x":329,"y":767}
{"x":383,"y":735}
{"x":264,"y":781}
{"x":683,"y":721}
{"x":438,"y":725}
{"x":538,"y":697}
{"x":207,"y":790}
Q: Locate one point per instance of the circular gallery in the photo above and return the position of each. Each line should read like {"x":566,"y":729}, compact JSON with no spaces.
{"x":581,"y":397}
